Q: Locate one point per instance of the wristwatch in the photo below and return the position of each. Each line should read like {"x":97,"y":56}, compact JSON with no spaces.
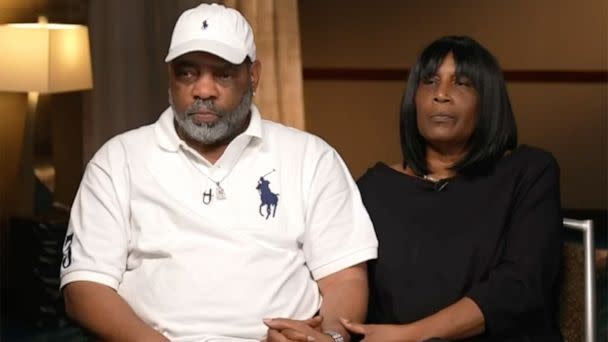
{"x":335,"y":335}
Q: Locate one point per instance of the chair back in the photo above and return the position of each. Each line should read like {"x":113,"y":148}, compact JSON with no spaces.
{"x":578,"y":279}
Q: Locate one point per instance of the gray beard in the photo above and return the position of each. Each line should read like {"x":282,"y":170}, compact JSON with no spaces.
{"x":226,"y":127}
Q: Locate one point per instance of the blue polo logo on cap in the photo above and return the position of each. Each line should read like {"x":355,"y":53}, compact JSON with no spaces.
{"x":205,"y":24}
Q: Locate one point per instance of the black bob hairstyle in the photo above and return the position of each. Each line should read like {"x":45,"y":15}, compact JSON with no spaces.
{"x":495,"y":132}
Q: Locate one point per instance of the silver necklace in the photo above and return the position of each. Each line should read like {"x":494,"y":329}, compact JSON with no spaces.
{"x":438,"y":184}
{"x":430,"y":179}
{"x":219,"y":191}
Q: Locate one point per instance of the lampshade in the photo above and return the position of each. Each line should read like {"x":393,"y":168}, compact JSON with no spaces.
{"x":44,"y":58}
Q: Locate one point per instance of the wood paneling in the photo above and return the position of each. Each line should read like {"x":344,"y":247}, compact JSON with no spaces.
{"x":537,"y":76}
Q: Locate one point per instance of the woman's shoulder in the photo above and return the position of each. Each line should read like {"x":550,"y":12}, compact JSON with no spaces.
{"x":372,"y":173}
{"x":532,"y":156}
{"x":377,"y":174}
{"x":531,"y":161}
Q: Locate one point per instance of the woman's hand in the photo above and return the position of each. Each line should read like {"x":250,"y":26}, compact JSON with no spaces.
{"x":379,"y":332}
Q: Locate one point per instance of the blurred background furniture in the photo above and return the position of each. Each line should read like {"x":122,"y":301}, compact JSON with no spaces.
{"x":36,"y":305}
{"x":578,"y":299}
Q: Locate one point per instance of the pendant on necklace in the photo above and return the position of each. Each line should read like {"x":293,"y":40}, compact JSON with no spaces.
{"x":221,"y":194}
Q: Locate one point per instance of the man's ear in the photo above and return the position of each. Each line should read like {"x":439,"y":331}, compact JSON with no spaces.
{"x":255,"y":71}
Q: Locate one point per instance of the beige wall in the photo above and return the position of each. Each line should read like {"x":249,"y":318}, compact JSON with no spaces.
{"x":547,"y":34}
{"x":360,"y":118}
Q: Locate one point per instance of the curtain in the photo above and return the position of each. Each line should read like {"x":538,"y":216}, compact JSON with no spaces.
{"x":280,"y":94}
{"x":129,"y":41}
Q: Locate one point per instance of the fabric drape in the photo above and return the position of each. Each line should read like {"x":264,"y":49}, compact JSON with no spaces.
{"x":277,"y":34}
{"x":129,"y":42}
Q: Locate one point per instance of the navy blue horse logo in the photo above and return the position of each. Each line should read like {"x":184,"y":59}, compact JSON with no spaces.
{"x":268,"y":198}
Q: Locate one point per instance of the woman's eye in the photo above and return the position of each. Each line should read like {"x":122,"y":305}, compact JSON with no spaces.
{"x":428,"y":80}
{"x":463,"y":82}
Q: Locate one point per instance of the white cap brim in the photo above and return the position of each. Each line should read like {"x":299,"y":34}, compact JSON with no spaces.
{"x":214,"y":47}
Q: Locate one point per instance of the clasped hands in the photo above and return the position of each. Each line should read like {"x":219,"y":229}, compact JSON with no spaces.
{"x":289,"y":330}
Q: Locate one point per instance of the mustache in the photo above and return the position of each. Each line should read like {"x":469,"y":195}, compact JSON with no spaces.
{"x":200,"y":105}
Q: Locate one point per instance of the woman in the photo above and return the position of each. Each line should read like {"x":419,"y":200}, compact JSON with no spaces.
{"x":469,"y":225}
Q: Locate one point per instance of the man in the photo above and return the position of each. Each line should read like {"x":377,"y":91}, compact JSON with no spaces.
{"x":213,"y":224}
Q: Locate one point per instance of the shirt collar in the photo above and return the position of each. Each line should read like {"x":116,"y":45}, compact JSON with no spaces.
{"x":168,"y":139}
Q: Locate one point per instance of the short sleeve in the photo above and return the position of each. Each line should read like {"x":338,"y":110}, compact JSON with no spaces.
{"x":339,"y":232}
{"x":95,"y":247}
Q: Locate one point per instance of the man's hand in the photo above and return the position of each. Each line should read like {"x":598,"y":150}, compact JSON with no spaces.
{"x":379,"y":332}
{"x":290,"y":330}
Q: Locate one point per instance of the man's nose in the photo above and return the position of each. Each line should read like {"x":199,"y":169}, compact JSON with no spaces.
{"x":205,"y":87}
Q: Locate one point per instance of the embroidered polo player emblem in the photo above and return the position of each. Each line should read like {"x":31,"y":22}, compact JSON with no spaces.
{"x":267,"y":197}
{"x":205,"y":25}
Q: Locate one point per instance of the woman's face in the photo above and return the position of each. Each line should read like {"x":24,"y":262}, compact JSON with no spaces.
{"x":446,"y":106}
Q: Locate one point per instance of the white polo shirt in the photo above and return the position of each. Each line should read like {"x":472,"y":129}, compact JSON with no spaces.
{"x":147,"y":221}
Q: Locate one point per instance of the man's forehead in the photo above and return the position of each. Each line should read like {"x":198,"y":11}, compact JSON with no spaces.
{"x":203,"y":58}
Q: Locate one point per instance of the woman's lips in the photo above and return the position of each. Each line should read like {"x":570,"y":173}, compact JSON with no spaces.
{"x":442,"y":117}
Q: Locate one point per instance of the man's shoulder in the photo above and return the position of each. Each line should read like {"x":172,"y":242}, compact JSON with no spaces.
{"x":143,"y":132}
{"x":272,"y":129}
{"x":133,"y":141}
{"x":292,"y":137}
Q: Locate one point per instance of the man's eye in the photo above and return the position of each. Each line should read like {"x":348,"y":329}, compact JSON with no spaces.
{"x":224,"y":76}
{"x":185,"y":73}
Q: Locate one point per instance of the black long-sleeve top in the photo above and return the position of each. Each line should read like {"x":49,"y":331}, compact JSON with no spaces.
{"x":496,"y":239}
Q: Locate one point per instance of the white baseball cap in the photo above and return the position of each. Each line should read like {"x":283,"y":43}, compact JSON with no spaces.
{"x":215,"y":29}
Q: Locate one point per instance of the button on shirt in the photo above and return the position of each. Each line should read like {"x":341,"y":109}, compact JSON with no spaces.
{"x":147,"y":221}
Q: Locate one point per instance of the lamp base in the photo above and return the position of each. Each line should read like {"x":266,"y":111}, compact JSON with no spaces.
{"x":24,"y":198}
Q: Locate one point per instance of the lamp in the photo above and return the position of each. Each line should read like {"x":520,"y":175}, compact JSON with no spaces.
{"x":41,"y":58}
